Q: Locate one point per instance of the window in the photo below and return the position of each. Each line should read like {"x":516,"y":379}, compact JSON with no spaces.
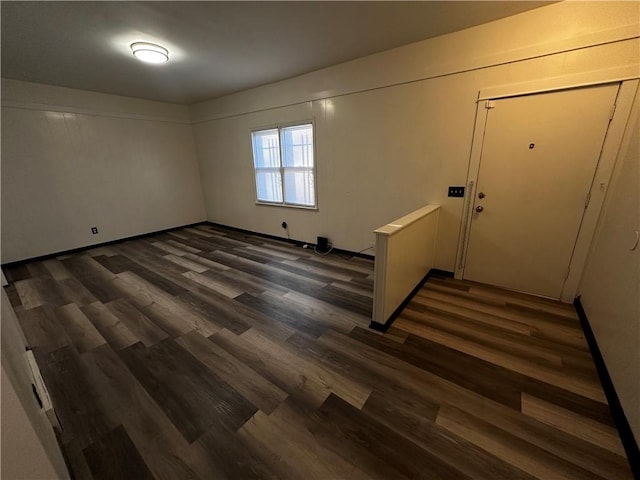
{"x":284,"y":166}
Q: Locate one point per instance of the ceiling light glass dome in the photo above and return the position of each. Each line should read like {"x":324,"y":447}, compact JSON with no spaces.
{"x":150,"y":52}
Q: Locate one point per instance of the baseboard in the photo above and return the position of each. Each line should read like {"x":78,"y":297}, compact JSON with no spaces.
{"x":620,"y":419}
{"x":298,"y":243}
{"x":383,"y":327}
{"x":149,"y":234}
{"x":97,"y":245}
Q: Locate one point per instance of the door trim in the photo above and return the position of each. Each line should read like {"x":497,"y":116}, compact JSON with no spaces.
{"x":608,"y":155}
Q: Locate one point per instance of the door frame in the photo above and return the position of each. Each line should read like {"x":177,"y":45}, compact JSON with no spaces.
{"x":620,"y":116}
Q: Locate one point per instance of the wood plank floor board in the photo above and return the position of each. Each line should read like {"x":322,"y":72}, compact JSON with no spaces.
{"x":158,"y":280}
{"x":160,"y":316}
{"x":80,"y":412}
{"x":116,"y":263}
{"x":182,"y":385}
{"x":465,"y":314}
{"x":356,"y":436}
{"x":207,"y":352}
{"x":331,"y":271}
{"x":436,"y":388}
{"x":343,"y":317}
{"x":369,"y":376}
{"x":347,"y":300}
{"x":308,"y":271}
{"x":73,"y":291}
{"x":42,"y":329}
{"x":35,"y":292}
{"x":82,"y":266}
{"x":604,"y":436}
{"x":144,"y":255}
{"x":593,"y":409}
{"x":258,"y":254}
{"x":567,"y":335}
{"x":116,"y":445}
{"x":351,"y":287}
{"x":16,"y":273}
{"x":339,"y":265}
{"x":229,"y":238}
{"x":213,"y":284}
{"x":232,"y":457}
{"x":348,"y":389}
{"x":522,"y":382}
{"x":364,"y":282}
{"x":173,"y":314}
{"x":179,"y":234}
{"x":273,"y":449}
{"x":13,"y":296}
{"x":324,"y":317}
{"x":102,"y":250}
{"x":568,"y":447}
{"x":280,"y":311}
{"x":247,"y":283}
{"x":212,"y":311}
{"x":516,"y":297}
{"x":519,"y":453}
{"x":183,"y":261}
{"x":486,"y":335}
{"x":210,"y":264}
{"x":180,"y":244}
{"x":243,"y":253}
{"x":471,"y":373}
{"x":255,"y":388}
{"x":160,"y":443}
{"x":284,"y":279}
{"x":193,"y":244}
{"x":76,"y":461}
{"x":285,"y":376}
{"x":281,"y":433}
{"x":116,"y":333}
{"x":421,"y":429}
{"x":102,"y":289}
{"x":79,"y":329}
{"x":198,"y":230}
{"x":233,"y":315}
{"x":143,"y":328}
{"x":496,"y":305}
{"x":574,"y":361}
{"x":38,"y":270}
{"x":274,"y":252}
{"x":168,"y":248}
{"x":585,"y":387}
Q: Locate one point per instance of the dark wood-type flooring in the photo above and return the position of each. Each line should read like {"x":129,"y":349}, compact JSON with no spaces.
{"x":205,"y":353}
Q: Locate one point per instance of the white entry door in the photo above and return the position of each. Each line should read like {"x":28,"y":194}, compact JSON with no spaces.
{"x":538,"y":160}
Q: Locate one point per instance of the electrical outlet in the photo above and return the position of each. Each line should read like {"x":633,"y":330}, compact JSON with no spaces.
{"x":284,"y":225}
{"x":456,"y":192}
{"x":94,"y":230}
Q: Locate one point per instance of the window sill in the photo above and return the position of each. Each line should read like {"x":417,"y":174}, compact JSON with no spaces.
{"x":283,"y":205}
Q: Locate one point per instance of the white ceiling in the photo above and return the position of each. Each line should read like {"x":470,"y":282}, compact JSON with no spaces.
{"x":216,"y":48}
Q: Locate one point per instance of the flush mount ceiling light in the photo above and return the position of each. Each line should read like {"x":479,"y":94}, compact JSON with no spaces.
{"x":149,"y":52}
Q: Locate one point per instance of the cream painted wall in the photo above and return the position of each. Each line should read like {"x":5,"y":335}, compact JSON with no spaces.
{"x":393,"y":130}
{"x":610,"y":286}
{"x":73,"y":159}
{"x":405,"y":250}
{"x":560,"y":27}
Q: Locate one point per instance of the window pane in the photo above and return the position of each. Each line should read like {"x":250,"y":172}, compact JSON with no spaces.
{"x":297,"y":146}
{"x":269,"y":185}
{"x":266,"y":149}
{"x":299,"y":187}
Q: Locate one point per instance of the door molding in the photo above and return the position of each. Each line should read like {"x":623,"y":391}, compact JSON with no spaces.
{"x":606,"y":162}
